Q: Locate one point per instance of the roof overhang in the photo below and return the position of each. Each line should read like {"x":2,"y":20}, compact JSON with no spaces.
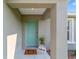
{"x":31,"y":3}
{"x":72,"y":15}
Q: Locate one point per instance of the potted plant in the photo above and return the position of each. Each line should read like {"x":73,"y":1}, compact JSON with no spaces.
{"x":42,"y":41}
{"x":42,"y":47}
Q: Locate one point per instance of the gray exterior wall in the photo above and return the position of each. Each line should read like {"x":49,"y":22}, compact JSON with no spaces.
{"x":12,"y":31}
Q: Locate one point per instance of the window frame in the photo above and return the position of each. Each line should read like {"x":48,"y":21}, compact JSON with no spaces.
{"x":70,"y":29}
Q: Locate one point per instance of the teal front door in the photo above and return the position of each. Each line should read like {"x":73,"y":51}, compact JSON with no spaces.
{"x":31,"y":34}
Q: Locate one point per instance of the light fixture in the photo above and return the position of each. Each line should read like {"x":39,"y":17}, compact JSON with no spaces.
{"x":32,"y":8}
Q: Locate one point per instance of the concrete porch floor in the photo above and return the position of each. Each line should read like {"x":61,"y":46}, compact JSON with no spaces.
{"x":20,"y":55}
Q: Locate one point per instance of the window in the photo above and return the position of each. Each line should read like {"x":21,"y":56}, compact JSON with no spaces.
{"x":71,"y":30}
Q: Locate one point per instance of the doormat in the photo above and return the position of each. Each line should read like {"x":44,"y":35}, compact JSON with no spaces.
{"x":30,"y":52}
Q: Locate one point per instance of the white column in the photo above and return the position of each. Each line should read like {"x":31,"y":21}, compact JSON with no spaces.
{"x":61,"y":40}
{"x":59,"y":30}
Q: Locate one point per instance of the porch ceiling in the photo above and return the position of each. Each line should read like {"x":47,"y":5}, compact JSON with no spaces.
{"x":32,"y":11}
{"x":39,"y":7}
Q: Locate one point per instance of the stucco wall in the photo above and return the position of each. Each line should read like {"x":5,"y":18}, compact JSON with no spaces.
{"x":44,"y":31}
{"x":12,"y":33}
